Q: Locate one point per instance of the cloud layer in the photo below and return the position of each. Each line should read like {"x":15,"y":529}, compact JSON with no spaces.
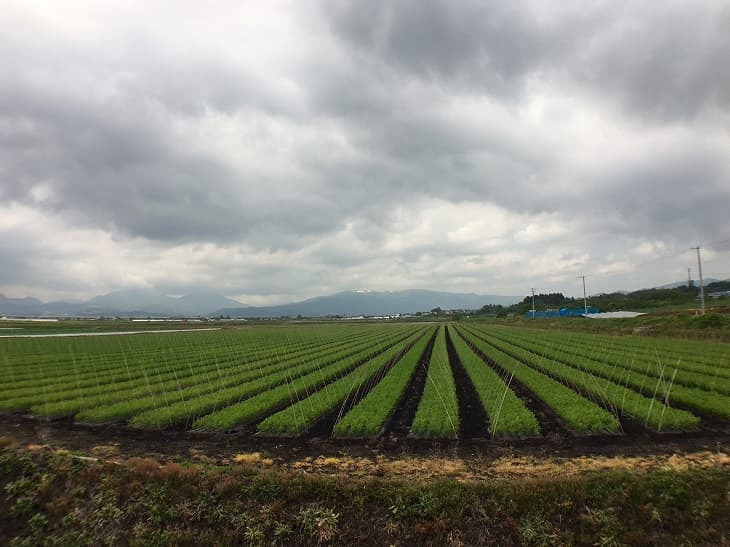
{"x":284,"y":150}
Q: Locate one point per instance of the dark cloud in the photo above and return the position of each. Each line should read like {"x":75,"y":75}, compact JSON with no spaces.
{"x":663,"y":62}
{"x":492,"y":45}
{"x":333,"y":133}
{"x":680,"y":192}
{"x":660,"y":60}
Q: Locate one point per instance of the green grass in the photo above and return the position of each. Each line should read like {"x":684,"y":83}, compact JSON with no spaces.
{"x":677,"y":324}
{"x":141,"y":501}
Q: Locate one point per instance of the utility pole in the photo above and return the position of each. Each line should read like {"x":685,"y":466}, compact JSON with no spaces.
{"x":702,"y":289}
{"x":533,"y":303}
{"x":585,"y":299}
{"x":689,"y":278}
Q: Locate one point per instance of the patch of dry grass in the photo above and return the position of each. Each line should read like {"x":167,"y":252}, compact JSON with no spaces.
{"x":253,"y":458}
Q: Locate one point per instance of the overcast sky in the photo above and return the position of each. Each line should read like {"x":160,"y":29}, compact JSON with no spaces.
{"x":274,"y":151}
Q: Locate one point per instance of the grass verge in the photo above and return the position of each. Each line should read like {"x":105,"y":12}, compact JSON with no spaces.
{"x":54,"y":498}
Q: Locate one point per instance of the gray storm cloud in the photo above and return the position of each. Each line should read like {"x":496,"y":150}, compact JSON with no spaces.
{"x":293,"y":149}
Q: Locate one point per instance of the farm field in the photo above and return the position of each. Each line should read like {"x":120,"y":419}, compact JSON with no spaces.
{"x":327,"y":433}
{"x":420,"y":381}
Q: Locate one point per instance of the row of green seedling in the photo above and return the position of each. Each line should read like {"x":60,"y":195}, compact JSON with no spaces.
{"x":142,"y":362}
{"x":126,"y":367}
{"x":578,"y":413}
{"x":301,"y":416}
{"x":83,"y":354}
{"x":437,"y":414}
{"x":508,"y":416}
{"x":56,"y":365}
{"x":189,"y":410}
{"x":369,"y":416}
{"x":665,"y":388}
{"x":712,"y":354}
{"x":124,"y":405}
{"x":616,"y":348}
{"x":607,"y":356}
{"x":154,"y":380}
{"x":122,"y":377}
{"x":647,"y":411}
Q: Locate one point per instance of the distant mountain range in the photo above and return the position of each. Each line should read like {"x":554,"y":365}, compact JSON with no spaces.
{"x":151,"y":303}
{"x":143,"y":303}
{"x":126,"y":303}
{"x":372,"y":303}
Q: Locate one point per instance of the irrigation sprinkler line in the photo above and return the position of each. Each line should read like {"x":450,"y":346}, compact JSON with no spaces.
{"x":499,"y":408}
{"x":666,"y":401}
{"x":653,"y":397}
{"x":623,"y":396}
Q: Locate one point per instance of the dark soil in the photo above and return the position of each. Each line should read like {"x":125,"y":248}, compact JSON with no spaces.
{"x":180,"y":444}
{"x":400,"y":423}
{"x":472,"y":417}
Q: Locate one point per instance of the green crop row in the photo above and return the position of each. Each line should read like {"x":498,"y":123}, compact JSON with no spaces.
{"x":580,"y":414}
{"x":646,"y":411}
{"x":655,"y":360}
{"x":96,"y":355}
{"x":609,"y":357}
{"x":713,"y":354}
{"x":438,"y":410}
{"x":128,"y":369}
{"x":301,"y":416}
{"x":370,"y":415}
{"x":95,"y":390}
{"x":60,"y":402}
{"x":310,"y":374}
{"x":119,"y":405}
{"x":665,"y":388}
{"x":508,"y":415}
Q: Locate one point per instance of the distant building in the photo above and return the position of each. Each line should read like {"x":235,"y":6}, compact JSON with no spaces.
{"x":563,"y":312}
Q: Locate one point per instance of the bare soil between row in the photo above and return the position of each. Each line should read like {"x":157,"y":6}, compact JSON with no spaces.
{"x":415,"y":458}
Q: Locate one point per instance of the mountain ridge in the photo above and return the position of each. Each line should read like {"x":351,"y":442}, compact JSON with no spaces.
{"x":148,"y":302}
{"x":371,"y":303}
{"x":126,"y":302}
